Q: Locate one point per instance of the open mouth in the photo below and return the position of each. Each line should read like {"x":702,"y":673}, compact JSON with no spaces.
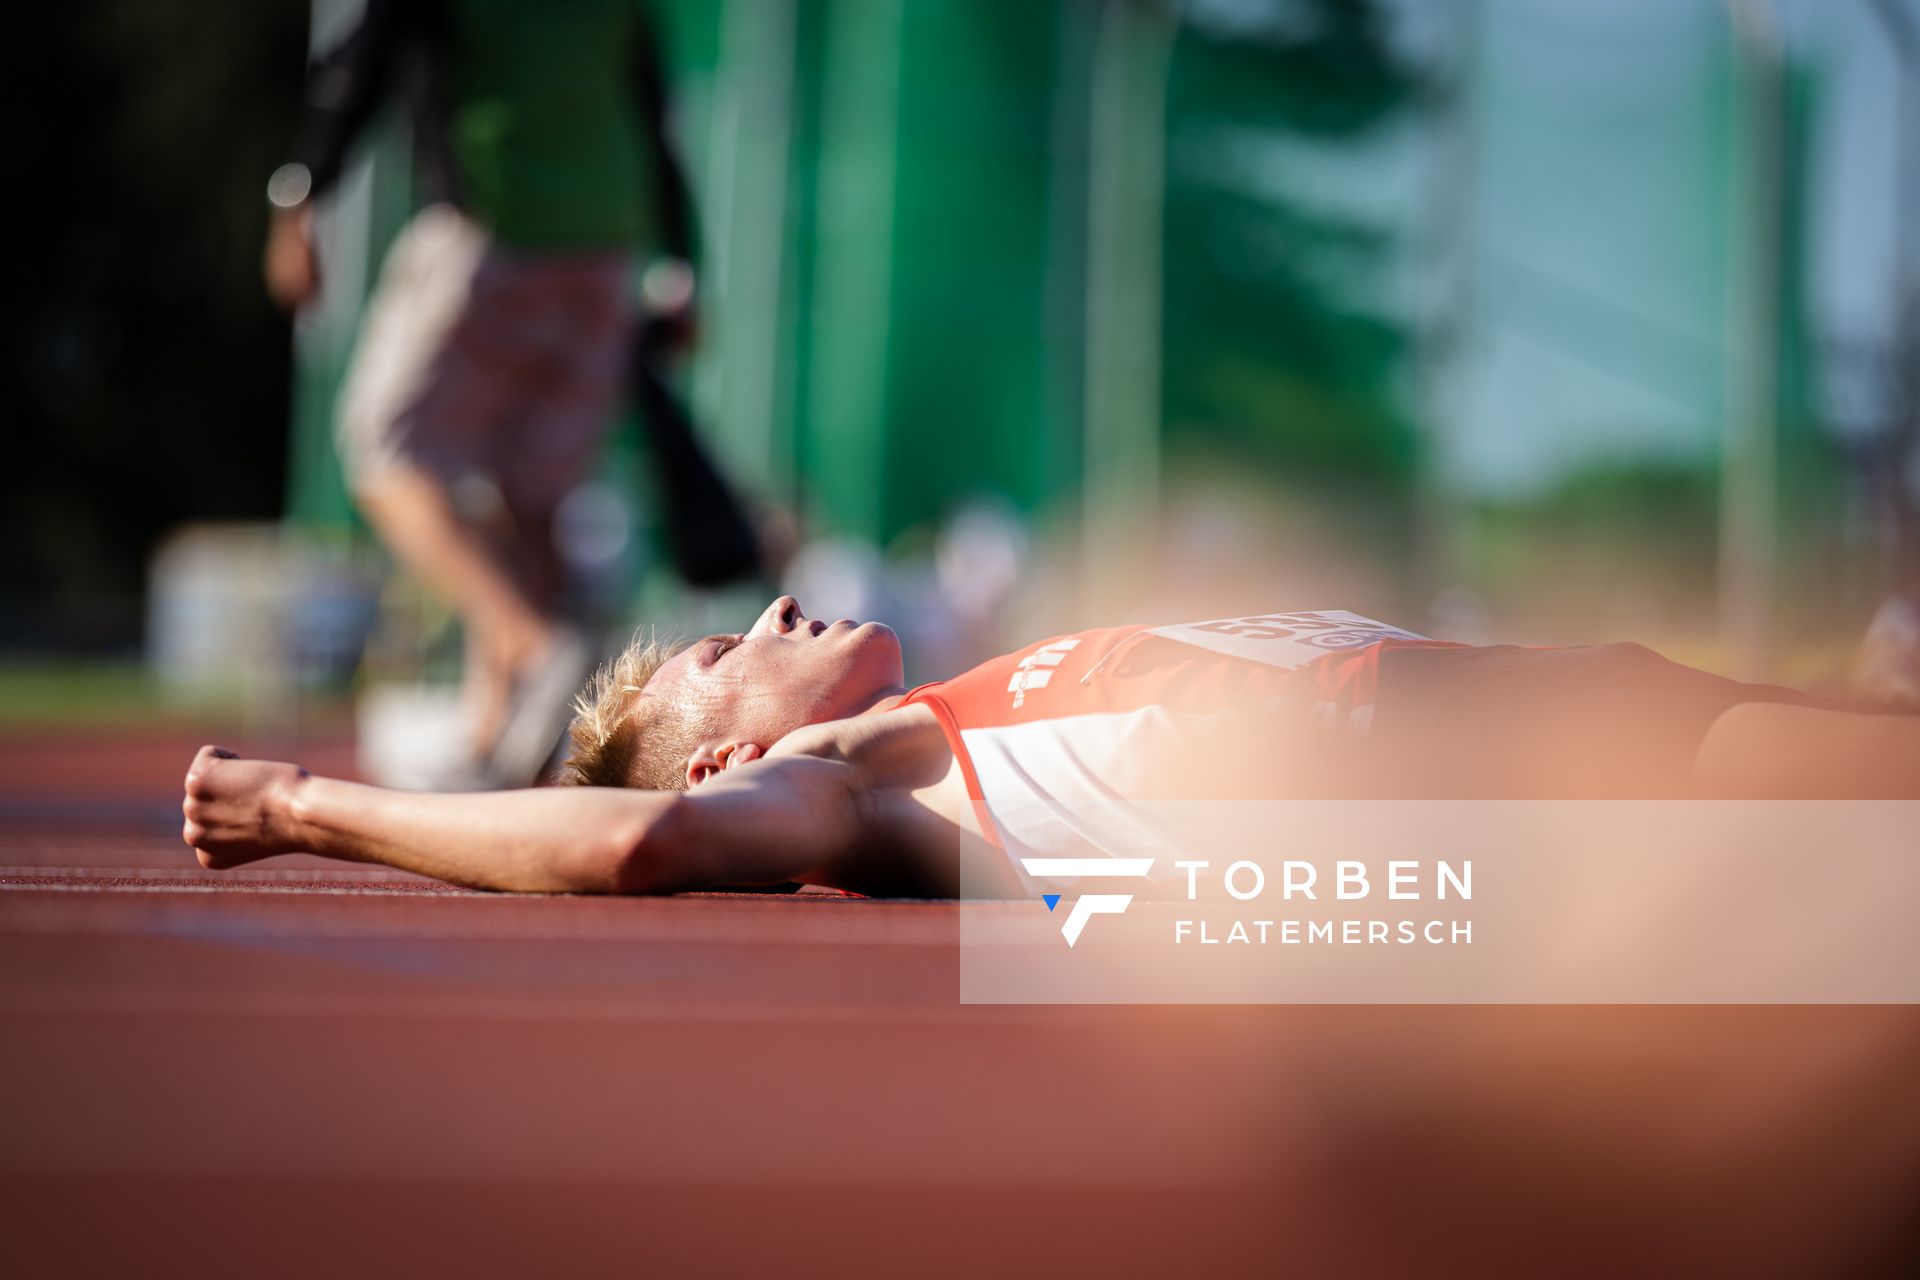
{"x":815,"y":627}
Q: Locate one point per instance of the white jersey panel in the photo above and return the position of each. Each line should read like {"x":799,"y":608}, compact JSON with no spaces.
{"x":1061,"y":787}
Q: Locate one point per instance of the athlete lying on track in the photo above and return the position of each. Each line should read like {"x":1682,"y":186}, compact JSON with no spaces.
{"x":794,"y":752}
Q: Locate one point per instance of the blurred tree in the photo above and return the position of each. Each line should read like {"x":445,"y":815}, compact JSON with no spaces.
{"x":1279,"y":345}
{"x":143,"y":379}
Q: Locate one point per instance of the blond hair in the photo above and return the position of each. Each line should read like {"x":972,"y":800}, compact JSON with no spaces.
{"x":618,"y":738}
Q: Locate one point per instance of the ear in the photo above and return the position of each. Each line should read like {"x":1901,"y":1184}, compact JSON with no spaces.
{"x":711,"y":758}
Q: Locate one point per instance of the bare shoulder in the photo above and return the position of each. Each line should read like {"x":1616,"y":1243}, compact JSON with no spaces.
{"x":899,"y":763}
{"x":895,"y":744}
{"x":899,"y":775}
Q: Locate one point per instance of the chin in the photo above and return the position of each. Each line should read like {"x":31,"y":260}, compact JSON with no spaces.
{"x":877,"y":642}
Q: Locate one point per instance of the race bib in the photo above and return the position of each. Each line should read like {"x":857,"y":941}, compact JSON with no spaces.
{"x":1285,"y":639}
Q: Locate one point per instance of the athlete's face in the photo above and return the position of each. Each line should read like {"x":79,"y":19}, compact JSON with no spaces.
{"x":785,"y":672}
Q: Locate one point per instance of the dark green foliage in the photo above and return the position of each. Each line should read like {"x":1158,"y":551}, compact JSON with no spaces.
{"x":1278,"y":346}
{"x":144,"y":376}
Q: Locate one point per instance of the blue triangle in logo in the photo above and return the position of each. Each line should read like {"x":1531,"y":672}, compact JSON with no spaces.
{"x":1051,"y":899}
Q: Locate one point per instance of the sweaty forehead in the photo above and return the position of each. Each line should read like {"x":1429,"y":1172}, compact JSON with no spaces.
{"x":670,"y":678}
{"x":691,"y":681}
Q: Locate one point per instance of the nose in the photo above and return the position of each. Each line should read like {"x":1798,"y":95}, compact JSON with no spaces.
{"x":780,"y":617}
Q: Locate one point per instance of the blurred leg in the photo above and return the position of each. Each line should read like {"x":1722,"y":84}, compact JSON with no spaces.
{"x":527,"y":550}
{"x":437,"y":373}
{"x":1758,"y":749}
{"x":507,"y":632}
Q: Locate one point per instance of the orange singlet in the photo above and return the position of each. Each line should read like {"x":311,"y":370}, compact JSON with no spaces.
{"x":1064,"y":743}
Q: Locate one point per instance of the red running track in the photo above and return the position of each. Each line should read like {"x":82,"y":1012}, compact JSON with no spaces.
{"x":303,"y":1068}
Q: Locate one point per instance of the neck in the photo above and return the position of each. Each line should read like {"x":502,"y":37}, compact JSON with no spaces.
{"x":885,"y":700}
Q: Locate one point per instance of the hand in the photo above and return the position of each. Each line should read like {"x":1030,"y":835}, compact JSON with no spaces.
{"x":667,"y":306}
{"x":292,"y":270}
{"x":239,"y":810}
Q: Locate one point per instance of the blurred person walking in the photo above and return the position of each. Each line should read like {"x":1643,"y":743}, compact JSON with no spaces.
{"x":494,"y":348}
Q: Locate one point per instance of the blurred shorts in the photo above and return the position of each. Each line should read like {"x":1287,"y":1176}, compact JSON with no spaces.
{"x":1510,"y":721}
{"x":494,"y":370}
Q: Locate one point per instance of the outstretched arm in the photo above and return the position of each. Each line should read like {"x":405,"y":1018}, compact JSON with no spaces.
{"x":791,"y":821}
{"x":571,"y":840}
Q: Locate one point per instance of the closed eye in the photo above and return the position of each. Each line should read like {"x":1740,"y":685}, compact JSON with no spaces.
{"x":723,"y":645}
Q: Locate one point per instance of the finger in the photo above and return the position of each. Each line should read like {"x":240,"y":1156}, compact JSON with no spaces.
{"x":224,"y":754}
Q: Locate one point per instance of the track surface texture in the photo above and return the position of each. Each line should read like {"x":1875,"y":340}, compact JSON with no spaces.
{"x":304,"y":1068}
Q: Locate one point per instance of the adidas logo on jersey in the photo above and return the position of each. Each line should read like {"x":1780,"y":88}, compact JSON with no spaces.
{"x":1036,"y":669}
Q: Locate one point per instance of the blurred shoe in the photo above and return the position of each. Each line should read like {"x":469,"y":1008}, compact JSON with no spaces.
{"x":416,"y":738}
{"x":1889,"y":663}
{"x":538,"y":711}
